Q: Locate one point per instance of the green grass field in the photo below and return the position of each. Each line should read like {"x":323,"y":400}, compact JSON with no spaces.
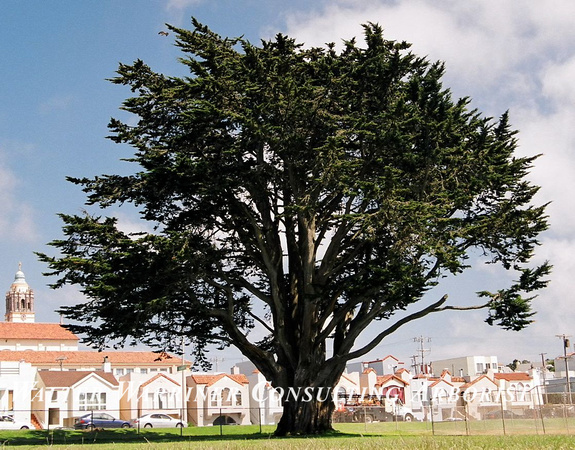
{"x":404,"y":436}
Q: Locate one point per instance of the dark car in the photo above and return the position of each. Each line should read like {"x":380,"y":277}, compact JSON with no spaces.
{"x":99,"y":420}
{"x":370,"y":414}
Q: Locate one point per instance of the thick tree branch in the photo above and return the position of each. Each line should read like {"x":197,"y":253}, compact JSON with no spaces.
{"x":398,"y":324}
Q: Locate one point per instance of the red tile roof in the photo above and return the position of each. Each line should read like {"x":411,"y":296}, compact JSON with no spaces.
{"x":382,"y":379}
{"x":440,"y":380}
{"x":53,"y":378}
{"x":211,"y":379}
{"x":116,"y":358}
{"x":160,"y":375}
{"x":477,"y":380}
{"x":512,"y":376}
{"x":35,"y":331}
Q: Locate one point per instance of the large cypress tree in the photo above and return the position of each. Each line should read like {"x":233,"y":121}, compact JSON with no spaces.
{"x":307,"y":193}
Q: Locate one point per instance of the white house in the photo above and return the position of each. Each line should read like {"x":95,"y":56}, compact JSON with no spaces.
{"x":16,"y":383}
{"x":62,"y":396}
{"x":218,"y":398}
{"x":479,"y":396}
{"x":264,"y":401}
{"x":151,"y":392}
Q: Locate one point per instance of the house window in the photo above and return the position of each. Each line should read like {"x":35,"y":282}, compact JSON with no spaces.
{"x":479,"y":367}
{"x":54,"y":395}
{"x":214,"y":398}
{"x":91,"y":401}
{"x":143,"y":370}
{"x":129,"y":371}
{"x":238,"y":398}
{"x":162,"y":398}
{"x":119,"y":371}
{"x":226,"y":397}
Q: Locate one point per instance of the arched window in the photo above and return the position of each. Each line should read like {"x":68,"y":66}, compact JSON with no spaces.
{"x":226,"y":397}
{"x":162,"y":398}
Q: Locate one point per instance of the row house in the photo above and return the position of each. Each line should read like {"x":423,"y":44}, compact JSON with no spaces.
{"x":265,"y":402}
{"x":457,"y":398}
{"x":50,"y":388}
{"x":219,"y":399}
{"x":61,"y":396}
{"x":46,"y":380}
{"x":146,"y":393}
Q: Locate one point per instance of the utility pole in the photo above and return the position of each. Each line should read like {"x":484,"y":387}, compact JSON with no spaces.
{"x":566,"y":345}
{"x":217,"y":360}
{"x":414,"y":364}
{"x":422,"y":351}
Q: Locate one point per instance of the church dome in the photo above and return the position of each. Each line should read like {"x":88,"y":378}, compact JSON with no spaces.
{"x":19,"y":284}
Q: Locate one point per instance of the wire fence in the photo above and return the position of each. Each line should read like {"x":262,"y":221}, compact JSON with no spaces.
{"x":551,"y":413}
{"x":534,"y":411}
{"x":435,"y":420}
{"x":457,"y":420}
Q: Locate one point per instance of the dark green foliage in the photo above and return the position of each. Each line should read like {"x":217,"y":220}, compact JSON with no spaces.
{"x":309,"y":191}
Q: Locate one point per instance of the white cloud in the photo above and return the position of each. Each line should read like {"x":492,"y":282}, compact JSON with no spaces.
{"x":17,"y":221}
{"x":56,"y":103}
{"x":131,"y":222}
{"x":505,"y":55}
{"x":559,"y":83}
{"x":487,"y":45}
{"x":181,"y":4}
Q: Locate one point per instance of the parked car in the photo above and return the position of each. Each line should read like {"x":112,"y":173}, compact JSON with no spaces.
{"x":8,"y":423}
{"x":99,"y":420}
{"x":156,"y":420}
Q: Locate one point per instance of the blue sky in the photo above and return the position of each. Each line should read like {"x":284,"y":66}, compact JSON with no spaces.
{"x":55,"y":104}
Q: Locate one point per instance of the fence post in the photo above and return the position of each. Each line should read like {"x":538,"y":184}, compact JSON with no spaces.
{"x":540,"y":402}
{"x":221,"y":426}
{"x":260,"y":418}
{"x":502,"y":414}
{"x":431,"y":415}
{"x":465,"y":415}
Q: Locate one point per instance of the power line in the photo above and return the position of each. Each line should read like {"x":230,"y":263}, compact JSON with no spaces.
{"x":421,"y":353}
{"x":566,"y":345}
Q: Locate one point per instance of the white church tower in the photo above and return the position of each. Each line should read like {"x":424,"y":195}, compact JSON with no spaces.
{"x":20,"y":300}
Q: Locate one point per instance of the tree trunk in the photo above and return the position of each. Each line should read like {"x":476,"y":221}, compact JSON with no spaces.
{"x":308,"y":413}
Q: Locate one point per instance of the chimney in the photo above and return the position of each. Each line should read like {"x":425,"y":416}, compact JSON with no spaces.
{"x":235,"y":370}
{"x":107,"y":365}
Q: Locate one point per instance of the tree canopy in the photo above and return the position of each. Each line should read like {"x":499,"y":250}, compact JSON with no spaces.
{"x":303,"y":192}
